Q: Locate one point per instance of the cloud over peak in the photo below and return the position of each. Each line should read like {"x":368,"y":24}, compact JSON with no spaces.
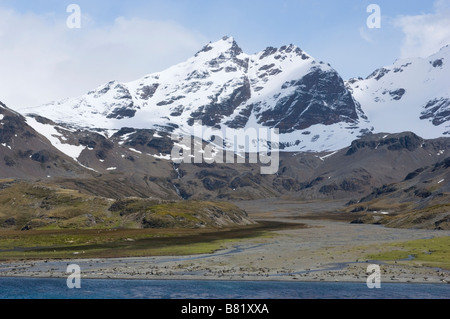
{"x":425,"y":34}
{"x":41,"y":59}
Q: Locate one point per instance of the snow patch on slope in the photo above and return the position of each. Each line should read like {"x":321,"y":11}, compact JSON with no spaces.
{"x":56,"y":138}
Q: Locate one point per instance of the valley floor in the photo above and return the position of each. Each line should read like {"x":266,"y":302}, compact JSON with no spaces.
{"x":330,"y":248}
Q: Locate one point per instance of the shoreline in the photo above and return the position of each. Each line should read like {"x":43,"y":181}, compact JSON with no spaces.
{"x":317,"y":278}
{"x":225,"y":280}
{"x":209,"y":267}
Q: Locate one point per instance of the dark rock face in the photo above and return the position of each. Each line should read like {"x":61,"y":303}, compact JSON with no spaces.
{"x":443,"y":165}
{"x":385,"y":189}
{"x":206,"y":48}
{"x":12,"y":125}
{"x":147,"y":91}
{"x":408,"y":141}
{"x":320,"y":98}
{"x":123,"y":131}
{"x":397,"y":94}
{"x":124,"y":107}
{"x":96,"y":142}
{"x":437,"y":63}
{"x":437,"y":110}
{"x":401,"y":68}
{"x":241,"y":120}
{"x":42,"y":156}
{"x":162,"y":145}
{"x":329,"y":189}
{"x":212,"y":114}
{"x":140,"y":138}
{"x":122,"y":112}
{"x":414,"y":174}
{"x":8,"y":129}
{"x":170,"y":101}
{"x":267,"y":52}
{"x":378,"y":74}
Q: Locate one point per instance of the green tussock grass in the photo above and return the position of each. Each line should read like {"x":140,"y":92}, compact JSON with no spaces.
{"x":47,"y":207}
{"x":25,"y":206}
{"x":41,"y":244}
{"x":68,"y":244}
{"x":434,"y":252}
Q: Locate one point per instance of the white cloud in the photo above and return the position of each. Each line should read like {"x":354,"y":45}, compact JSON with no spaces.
{"x":425,"y":34}
{"x":42,"y":60}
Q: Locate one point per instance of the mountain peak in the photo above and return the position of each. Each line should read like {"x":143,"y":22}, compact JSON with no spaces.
{"x":443,"y":53}
{"x":445,"y":49}
{"x":228,"y":39}
{"x":225,"y":45}
{"x":284,"y":51}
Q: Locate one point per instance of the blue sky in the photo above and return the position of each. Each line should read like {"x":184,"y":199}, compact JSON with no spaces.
{"x":125,"y":40}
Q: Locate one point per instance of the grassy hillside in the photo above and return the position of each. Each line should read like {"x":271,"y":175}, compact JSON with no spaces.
{"x":39,"y":220}
{"x":35,"y":206}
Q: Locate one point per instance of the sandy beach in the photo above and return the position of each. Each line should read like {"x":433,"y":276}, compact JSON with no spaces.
{"x":325,"y":250}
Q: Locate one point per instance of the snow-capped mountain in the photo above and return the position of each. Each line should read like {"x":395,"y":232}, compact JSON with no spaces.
{"x":117,"y":140}
{"x":410,"y":95}
{"x":223,"y":87}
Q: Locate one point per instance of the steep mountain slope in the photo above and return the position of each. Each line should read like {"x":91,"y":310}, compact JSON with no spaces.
{"x":421,"y":200}
{"x":225,"y":88}
{"x":25,"y":153}
{"x":410,"y":95}
{"x":136,"y":163}
{"x":370,"y":162}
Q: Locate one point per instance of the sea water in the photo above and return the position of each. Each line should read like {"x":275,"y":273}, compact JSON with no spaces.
{"x":53,"y":288}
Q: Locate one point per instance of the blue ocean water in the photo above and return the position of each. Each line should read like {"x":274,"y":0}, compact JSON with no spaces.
{"x":36,"y":288}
